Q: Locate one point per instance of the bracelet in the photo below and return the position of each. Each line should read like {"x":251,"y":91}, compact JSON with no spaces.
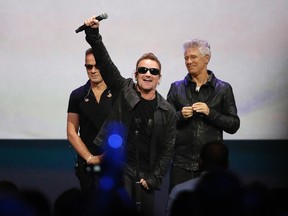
{"x":89,"y":158}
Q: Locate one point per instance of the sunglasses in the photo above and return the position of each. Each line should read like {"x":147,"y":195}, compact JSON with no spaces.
{"x":90,"y":66}
{"x":153,"y":71}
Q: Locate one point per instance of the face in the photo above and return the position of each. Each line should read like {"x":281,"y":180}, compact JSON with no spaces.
{"x":195,"y":63}
{"x":93,"y":73}
{"x":146,"y":81}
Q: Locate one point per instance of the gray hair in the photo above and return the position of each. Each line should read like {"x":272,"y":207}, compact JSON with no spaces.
{"x":202,"y":45}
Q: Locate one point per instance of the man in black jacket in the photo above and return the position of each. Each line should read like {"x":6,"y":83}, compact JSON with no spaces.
{"x":145,"y":121}
{"x":205,"y":107}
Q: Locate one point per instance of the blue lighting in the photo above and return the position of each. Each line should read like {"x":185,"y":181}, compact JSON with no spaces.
{"x":107,"y":183}
{"x":115,"y":141}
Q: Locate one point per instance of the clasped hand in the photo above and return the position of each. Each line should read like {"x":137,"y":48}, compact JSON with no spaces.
{"x":199,"y":107}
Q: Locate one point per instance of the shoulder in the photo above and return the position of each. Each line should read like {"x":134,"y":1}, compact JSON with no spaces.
{"x":179,"y":84}
{"x":164,"y":104}
{"x":188,"y":185}
{"x":80,"y":91}
{"x":185,"y":186}
{"x":218,"y":83}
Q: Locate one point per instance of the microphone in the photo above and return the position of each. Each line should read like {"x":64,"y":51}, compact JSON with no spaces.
{"x":99,"y":18}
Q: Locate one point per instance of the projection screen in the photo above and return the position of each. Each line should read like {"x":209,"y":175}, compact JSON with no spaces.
{"x":42,"y":58}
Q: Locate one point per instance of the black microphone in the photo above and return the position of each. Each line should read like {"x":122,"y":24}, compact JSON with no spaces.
{"x":99,"y":18}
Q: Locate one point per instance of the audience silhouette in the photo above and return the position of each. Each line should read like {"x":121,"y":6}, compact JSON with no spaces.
{"x":220,"y":192}
{"x":214,"y":156}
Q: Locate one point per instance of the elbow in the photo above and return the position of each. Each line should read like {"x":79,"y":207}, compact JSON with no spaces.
{"x":234,"y":128}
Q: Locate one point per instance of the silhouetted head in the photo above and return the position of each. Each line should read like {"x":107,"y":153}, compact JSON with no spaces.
{"x":214,"y":156}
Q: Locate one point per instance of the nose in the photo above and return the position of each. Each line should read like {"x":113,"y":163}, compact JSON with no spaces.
{"x":94,"y":69}
{"x":148,"y":73}
{"x":189,"y":60}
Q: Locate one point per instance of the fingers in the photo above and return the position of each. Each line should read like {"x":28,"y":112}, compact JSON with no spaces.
{"x":144,"y":184}
{"x":200,"y":107}
{"x":94,"y":160}
{"x":92,"y":21}
{"x":187,"y":112}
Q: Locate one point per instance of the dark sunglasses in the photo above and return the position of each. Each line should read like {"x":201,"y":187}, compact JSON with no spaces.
{"x":153,"y":71}
{"x":90,"y":66}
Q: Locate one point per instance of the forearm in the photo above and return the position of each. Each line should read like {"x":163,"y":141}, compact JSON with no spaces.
{"x":99,"y":50}
{"x":81,"y":149}
{"x":108,"y":70}
{"x":79,"y":146}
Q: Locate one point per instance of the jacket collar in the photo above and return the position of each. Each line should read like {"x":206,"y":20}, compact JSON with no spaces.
{"x":134,"y":97}
{"x":211,"y":79}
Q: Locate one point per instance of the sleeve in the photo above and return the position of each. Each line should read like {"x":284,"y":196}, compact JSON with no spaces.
{"x":172,"y":98}
{"x":228,"y":120}
{"x":108,"y":70}
{"x":73,"y":103}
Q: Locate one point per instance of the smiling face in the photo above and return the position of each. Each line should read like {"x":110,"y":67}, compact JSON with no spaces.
{"x":196,"y":63}
{"x":147,"y":82}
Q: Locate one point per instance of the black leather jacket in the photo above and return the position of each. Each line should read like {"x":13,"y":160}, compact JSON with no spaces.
{"x":164,"y":130}
{"x":200,"y":129}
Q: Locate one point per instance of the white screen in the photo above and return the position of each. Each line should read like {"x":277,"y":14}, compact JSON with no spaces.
{"x":42,"y":58}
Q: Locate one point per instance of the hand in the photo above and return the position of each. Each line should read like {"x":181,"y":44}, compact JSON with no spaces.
{"x":187,"y":112}
{"x":92,"y":21}
{"x":200,"y":107}
{"x":144,"y":184}
{"x":95,"y":160}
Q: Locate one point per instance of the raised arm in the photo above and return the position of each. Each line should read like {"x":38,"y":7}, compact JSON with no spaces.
{"x":108,"y":70}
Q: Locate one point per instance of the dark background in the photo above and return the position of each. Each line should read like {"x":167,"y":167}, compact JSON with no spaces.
{"x":47,"y":165}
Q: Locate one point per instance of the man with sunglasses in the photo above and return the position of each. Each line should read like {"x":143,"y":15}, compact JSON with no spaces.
{"x":88,"y":107}
{"x":205,"y":109}
{"x":147,"y":119}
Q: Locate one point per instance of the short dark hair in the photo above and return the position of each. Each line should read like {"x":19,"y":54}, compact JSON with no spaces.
{"x":150,"y":56}
{"x":88,"y":51}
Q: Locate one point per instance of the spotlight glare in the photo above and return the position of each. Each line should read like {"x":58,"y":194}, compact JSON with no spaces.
{"x":115,"y":140}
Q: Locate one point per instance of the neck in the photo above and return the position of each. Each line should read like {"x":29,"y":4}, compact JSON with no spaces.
{"x":98,"y":89}
{"x":98,"y":86}
{"x":147,"y":95}
{"x":200,"y":79}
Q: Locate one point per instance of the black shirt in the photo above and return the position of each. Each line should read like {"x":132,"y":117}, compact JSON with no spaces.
{"x":140,"y":134}
{"x":92,"y":114}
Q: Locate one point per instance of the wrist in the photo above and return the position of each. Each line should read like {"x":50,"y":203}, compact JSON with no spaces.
{"x":89,"y":158}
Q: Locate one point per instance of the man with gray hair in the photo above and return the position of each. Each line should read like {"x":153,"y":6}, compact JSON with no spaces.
{"x":205,"y":108}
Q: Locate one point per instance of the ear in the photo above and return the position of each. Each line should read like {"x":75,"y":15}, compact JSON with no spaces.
{"x":160,"y":76}
{"x":207,"y":59}
{"x":135,"y":75}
